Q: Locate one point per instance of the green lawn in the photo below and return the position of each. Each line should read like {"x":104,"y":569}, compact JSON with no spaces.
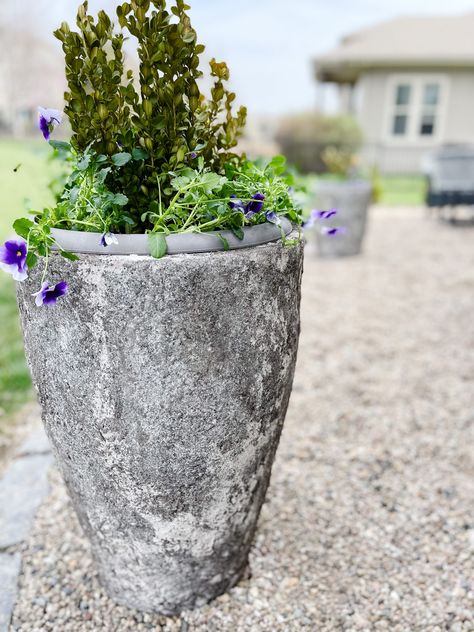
{"x":27,"y":188}
{"x":402,"y":190}
{"x":393,"y":190}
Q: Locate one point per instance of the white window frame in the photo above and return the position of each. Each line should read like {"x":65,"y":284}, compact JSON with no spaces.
{"x":416,"y":81}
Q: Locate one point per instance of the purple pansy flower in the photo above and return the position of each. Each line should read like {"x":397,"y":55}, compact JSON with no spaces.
{"x":255,"y":205}
{"x":272,"y":217}
{"x":13,"y":259}
{"x":317,"y":215}
{"x":236,"y":205}
{"x":252,"y":208}
{"x":332,"y":232}
{"x":327,"y":214}
{"x":48,"y":295}
{"x":48,"y":120}
{"x":107,"y":239}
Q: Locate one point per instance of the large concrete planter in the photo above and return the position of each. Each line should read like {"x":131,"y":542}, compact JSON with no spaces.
{"x":164,"y":385}
{"x":351,"y":199}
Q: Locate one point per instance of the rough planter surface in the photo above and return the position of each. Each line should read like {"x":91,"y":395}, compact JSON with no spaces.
{"x":164,"y":386}
{"x":351,"y":199}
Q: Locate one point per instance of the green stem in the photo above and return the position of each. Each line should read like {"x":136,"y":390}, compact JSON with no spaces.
{"x":192,"y":214}
{"x":76,"y":221}
{"x":45,"y":270}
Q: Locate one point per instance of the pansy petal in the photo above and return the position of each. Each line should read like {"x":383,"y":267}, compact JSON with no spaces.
{"x":272,"y":217}
{"x":255,"y":205}
{"x":236,"y":204}
{"x":51,"y":115}
{"x":49,"y":118}
{"x":13,"y":259}
{"x":333,"y":231}
{"x":49,"y":295}
{"x":44,"y":128}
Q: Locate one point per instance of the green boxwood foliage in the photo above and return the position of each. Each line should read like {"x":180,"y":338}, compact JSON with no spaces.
{"x":160,"y":118}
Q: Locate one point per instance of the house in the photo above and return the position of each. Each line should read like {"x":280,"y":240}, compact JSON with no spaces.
{"x":410,"y":84}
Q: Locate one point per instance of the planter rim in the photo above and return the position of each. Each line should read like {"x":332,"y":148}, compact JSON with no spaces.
{"x":178,"y":243}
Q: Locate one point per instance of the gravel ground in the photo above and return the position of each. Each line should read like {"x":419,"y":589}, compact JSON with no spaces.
{"x":369,"y":521}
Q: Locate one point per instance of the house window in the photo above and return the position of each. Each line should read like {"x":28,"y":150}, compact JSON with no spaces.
{"x":415,"y":107}
{"x":429,"y":108}
{"x":402,"y":109}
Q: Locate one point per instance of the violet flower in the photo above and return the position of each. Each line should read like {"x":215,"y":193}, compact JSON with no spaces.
{"x":252,"y":208}
{"x":236,"y":205}
{"x":317,"y":215}
{"x":13,"y":259}
{"x":332,"y":232}
{"x":107,"y":239}
{"x":48,"y":295}
{"x":272,"y":217}
{"x":255,"y":205}
{"x":49,"y":119}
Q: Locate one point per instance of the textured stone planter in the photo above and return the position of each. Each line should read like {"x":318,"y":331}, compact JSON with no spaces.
{"x":351,"y":199}
{"x":164,"y":385}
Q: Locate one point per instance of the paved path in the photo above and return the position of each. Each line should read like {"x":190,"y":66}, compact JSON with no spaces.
{"x":369,"y":521}
{"x":23,"y":487}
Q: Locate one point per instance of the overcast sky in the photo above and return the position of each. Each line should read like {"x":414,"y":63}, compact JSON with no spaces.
{"x":269,"y":44}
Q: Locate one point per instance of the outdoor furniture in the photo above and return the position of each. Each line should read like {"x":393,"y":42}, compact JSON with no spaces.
{"x":450,"y":175}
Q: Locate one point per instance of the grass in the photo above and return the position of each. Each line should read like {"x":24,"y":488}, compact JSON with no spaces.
{"x":26,"y":188}
{"x":15,"y":385}
{"x":393,"y":190}
{"x":402,"y":190}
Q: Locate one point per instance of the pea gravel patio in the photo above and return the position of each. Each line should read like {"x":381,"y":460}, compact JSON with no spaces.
{"x":369,"y":521}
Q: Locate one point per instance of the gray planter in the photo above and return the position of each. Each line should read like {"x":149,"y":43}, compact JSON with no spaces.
{"x":351,"y":199}
{"x":164,"y":385}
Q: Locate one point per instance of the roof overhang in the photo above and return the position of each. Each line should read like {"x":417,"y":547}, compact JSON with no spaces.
{"x":333,"y":70}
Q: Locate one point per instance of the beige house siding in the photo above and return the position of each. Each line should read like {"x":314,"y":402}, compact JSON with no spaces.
{"x":459,"y":126}
{"x":372,"y":88}
{"x":374,"y":111}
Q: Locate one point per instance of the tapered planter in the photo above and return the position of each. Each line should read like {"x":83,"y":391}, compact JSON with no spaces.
{"x":351,"y":199}
{"x":164,"y":385}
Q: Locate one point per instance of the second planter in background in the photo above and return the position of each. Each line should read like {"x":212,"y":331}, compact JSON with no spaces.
{"x":351,"y":199}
